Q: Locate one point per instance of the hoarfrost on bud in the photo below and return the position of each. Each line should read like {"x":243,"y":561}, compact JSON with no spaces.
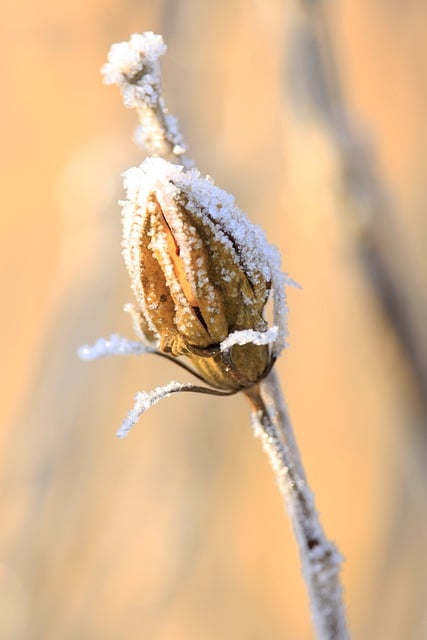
{"x":173,"y":188}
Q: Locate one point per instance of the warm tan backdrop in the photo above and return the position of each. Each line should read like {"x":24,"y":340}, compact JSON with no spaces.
{"x":313,"y":115}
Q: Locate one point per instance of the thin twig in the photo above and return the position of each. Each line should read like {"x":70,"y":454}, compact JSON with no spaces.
{"x":135,"y":67}
{"x":319,"y":556}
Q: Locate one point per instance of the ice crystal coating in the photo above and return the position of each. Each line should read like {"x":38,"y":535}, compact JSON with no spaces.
{"x":144,"y":400}
{"x":249,"y":336}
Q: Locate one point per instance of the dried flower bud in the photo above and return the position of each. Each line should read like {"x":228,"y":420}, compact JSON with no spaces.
{"x":201,"y":274}
{"x":200,"y":271}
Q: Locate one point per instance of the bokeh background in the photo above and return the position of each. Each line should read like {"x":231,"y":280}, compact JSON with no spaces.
{"x":313,"y":114}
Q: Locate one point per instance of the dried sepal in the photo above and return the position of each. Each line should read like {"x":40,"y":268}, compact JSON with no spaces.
{"x":144,"y":400}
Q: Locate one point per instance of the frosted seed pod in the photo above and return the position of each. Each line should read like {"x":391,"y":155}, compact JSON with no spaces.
{"x":200,"y":272}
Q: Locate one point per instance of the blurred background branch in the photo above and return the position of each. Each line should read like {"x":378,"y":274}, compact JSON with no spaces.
{"x":384,"y":255}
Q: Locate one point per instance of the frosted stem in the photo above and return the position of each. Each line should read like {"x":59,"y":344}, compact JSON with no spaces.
{"x":135,"y":67}
{"x":113,"y":346}
{"x":319,"y":556}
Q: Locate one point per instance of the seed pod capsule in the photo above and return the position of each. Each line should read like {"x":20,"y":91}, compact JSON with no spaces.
{"x":200,"y":272}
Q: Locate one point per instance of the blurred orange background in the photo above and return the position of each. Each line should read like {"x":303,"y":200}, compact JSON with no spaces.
{"x":313,"y":115}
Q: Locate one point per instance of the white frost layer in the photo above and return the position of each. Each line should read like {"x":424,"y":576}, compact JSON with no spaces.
{"x":143,"y":401}
{"x":249,"y":336}
{"x":217,"y":208}
{"x":112,"y":346}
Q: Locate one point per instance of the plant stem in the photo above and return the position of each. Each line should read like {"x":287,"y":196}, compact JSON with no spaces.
{"x":319,"y":557}
{"x":139,"y":80}
{"x":135,"y":67}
